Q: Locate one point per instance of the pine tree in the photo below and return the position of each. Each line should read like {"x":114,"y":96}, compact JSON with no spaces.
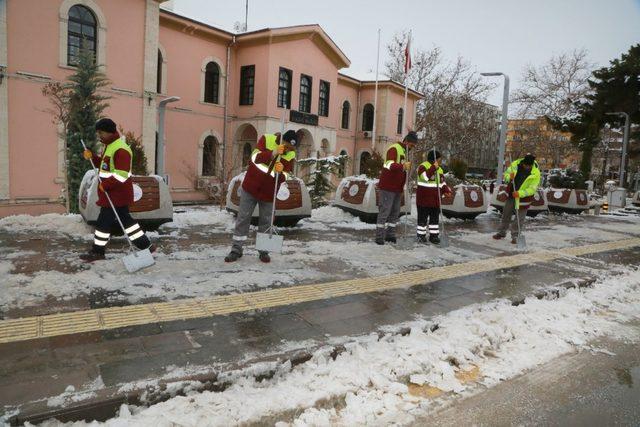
{"x":318,"y":181}
{"x":77,"y":106}
{"x":613,"y":89}
{"x":139,"y":164}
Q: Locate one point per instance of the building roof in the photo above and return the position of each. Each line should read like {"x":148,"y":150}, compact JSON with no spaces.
{"x":368,"y":79}
{"x":313,"y":32}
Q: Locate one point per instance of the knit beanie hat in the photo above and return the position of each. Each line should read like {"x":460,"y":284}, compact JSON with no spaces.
{"x":106,"y":125}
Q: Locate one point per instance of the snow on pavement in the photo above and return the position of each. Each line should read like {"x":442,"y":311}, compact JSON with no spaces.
{"x":197,"y":268}
{"x":371,"y":377}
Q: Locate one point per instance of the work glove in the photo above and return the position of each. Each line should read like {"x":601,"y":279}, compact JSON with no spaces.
{"x":278,"y":150}
{"x":279,"y":167}
{"x":406,"y":165}
{"x":87,"y":154}
{"x":512,"y":175}
{"x":516,"y":195}
{"x":101,"y":187}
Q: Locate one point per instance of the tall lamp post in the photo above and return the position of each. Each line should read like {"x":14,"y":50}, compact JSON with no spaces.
{"x":625,"y":141}
{"x":162,"y":105}
{"x":503,"y":123}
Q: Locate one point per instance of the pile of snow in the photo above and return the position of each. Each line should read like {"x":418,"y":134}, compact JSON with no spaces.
{"x":72,"y":225}
{"x":212,"y":216}
{"x":372,"y":375}
{"x":325,"y":217}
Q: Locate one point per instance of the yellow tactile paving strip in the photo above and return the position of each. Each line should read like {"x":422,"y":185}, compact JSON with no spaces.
{"x":115,"y":317}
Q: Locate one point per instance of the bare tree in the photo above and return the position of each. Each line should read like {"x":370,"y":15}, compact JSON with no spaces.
{"x":552,"y":88}
{"x":453,"y":116}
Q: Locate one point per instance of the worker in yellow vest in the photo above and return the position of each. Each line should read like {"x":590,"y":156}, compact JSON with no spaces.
{"x":115,"y":179}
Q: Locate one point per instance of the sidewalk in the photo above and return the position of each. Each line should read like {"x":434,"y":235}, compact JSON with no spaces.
{"x":105,"y":367}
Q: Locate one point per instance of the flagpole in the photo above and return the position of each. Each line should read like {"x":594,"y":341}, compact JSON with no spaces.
{"x":406,"y":89}
{"x":375,"y":98}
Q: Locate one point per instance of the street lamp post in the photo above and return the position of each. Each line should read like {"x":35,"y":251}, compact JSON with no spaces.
{"x":161,"y":110}
{"x":625,"y":141}
{"x":503,"y":123}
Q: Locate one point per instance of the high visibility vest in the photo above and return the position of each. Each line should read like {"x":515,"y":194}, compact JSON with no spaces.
{"x":423,"y":179}
{"x":401,"y":155}
{"x":529,"y":186}
{"x":271,"y":143}
{"x":109,"y":170}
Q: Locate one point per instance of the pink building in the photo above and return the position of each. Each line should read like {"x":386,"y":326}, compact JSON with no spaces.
{"x":150,"y":54}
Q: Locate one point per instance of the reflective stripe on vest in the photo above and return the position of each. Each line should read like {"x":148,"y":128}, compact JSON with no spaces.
{"x":271,"y":143}
{"x":400,"y":156}
{"x":110,"y":151}
{"x":423,"y":179}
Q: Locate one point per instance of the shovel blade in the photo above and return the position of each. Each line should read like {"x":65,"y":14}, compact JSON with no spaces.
{"x":522,"y":243}
{"x":406,"y":243}
{"x":138,"y":260}
{"x":444,"y":240}
{"x":266,"y":242}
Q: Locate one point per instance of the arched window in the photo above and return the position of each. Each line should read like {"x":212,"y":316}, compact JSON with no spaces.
{"x":212,"y":83}
{"x":364,"y":159}
{"x":400,"y":118}
{"x":367,"y":118}
{"x":342,"y":170}
{"x":209,"y":156}
{"x":81,"y":34}
{"x":346,"y":110}
{"x":159,"y":72}
{"x":305,"y":94}
{"x":246,"y":154}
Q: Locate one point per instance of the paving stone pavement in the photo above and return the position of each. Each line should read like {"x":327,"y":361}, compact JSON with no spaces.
{"x":35,"y":370}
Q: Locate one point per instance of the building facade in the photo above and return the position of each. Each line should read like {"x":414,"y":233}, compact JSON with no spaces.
{"x":232,"y":88}
{"x":552,"y":148}
{"x":481,"y":155}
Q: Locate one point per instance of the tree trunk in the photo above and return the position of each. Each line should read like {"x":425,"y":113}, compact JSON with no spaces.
{"x":585,"y":163}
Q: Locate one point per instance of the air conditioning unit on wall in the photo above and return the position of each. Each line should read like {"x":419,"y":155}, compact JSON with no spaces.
{"x":201,"y":183}
{"x":366,"y":134}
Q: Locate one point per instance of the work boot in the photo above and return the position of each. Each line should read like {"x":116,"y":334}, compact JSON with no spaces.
{"x":390,"y":239}
{"x":92,"y":256}
{"x":422,"y":238}
{"x":434,"y":239}
{"x":379,"y":241}
{"x":232,"y":257}
{"x":264,"y":257}
{"x":514,"y":240}
{"x":498,"y":236}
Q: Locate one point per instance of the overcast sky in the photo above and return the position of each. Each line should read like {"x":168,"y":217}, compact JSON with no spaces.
{"x":494,"y":35}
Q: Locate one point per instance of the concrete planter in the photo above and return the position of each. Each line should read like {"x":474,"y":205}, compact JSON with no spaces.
{"x":564,"y":200}
{"x":538,"y":206}
{"x":359,"y":196}
{"x":152,"y":205}
{"x":293,"y":202}
{"x":465,"y":202}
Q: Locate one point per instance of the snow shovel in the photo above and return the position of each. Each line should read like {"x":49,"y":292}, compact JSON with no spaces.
{"x":444,"y":238}
{"x":136,"y":259}
{"x":406,"y":242}
{"x":521,"y":241}
{"x":270,"y":241}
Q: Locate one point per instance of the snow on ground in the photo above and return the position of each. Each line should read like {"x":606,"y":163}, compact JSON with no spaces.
{"x":70,"y":225}
{"x":211,"y":216}
{"x":196,"y":268}
{"x":327,"y":217}
{"x":372,"y":376}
